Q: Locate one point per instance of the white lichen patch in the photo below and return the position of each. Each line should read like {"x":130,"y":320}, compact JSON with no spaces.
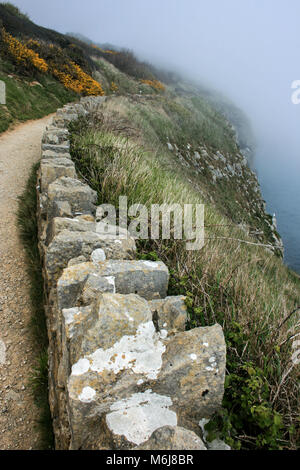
{"x":142,"y":353}
{"x":212,"y":359}
{"x":209,"y":369}
{"x":81,"y":367}
{"x":112,"y":281}
{"x":140,"y":415}
{"x":163,"y":334}
{"x":205,"y":345}
{"x":2,"y":353}
{"x":151,"y":264}
{"x":69,"y":314}
{"x":193,"y":357}
{"x":87,"y":395}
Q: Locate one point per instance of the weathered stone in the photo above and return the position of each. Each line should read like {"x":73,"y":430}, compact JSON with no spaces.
{"x":95,"y":286}
{"x":78,"y":260}
{"x":98,"y":255}
{"x":193,"y":372}
{"x":59,"y":224}
{"x":80,"y":196}
{"x":61,"y":209}
{"x":52,"y":169}
{"x":71,"y":283}
{"x":56,"y":136}
{"x":111,"y":318}
{"x":173,"y":438}
{"x":2,"y":92}
{"x":123,"y":277}
{"x":67,"y":245}
{"x":52,"y":155}
{"x":59,"y":148}
{"x":126,"y":352}
{"x":170,"y":313}
{"x":143,"y":374}
{"x":145,"y":278}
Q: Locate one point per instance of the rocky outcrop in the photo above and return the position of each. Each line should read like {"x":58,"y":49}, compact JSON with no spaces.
{"x":222,"y":173}
{"x":123,"y":371}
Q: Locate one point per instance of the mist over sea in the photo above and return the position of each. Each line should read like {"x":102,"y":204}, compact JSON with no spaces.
{"x":278,"y":171}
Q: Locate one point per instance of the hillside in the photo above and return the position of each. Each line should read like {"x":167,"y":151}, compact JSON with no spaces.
{"x":158,"y":139}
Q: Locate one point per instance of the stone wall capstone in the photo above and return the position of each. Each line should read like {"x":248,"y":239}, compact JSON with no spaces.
{"x":117,"y":378}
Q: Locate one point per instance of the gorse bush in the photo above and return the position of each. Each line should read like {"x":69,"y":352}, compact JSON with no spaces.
{"x":66,"y":71}
{"x":154,"y":84}
{"x":22,"y":55}
{"x":75,"y":79}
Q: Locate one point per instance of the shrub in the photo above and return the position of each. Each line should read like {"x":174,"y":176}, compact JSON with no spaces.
{"x":22,"y":55}
{"x":154,"y":84}
{"x":54,"y":61}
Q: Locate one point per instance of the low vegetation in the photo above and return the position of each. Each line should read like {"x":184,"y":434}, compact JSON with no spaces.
{"x":241,"y":286}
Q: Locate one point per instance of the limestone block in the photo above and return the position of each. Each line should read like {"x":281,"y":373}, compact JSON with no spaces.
{"x":67,"y":245}
{"x":59,"y":148}
{"x":55,"y":136}
{"x":51,"y":169}
{"x":80,"y":284}
{"x":52,"y":154}
{"x":122,"y":392}
{"x":173,"y":438}
{"x":80,"y":196}
{"x":145,"y":278}
{"x":59,"y":224}
{"x":170,"y":313}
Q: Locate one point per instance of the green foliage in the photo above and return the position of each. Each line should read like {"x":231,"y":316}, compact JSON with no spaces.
{"x":247,"y":412}
{"x":27,"y":225}
{"x":26,"y":100}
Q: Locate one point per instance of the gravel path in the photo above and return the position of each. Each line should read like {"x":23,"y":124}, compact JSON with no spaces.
{"x":19,"y":149}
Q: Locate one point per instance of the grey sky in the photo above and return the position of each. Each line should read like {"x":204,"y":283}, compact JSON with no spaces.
{"x":249,"y":49}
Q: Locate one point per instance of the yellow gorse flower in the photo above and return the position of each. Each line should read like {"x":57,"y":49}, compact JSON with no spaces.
{"x":155,"y":84}
{"x":69,"y":74}
{"x":114,"y":87}
{"x":22,"y":54}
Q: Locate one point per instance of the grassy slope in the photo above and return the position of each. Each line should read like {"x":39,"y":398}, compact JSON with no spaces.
{"x":29,"y":98}
{"x":243,"y":287}
{"x":26,"y":101}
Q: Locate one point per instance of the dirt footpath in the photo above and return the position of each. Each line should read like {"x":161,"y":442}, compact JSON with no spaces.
{"x":19,"y":149}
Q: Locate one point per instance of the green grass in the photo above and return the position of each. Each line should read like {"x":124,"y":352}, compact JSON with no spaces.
{"x":27,"y":99}
{"x":243,"y":287}
{"x":27,"y":224}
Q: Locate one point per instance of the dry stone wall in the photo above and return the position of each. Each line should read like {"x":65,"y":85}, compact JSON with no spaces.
{"x":123,"y":372}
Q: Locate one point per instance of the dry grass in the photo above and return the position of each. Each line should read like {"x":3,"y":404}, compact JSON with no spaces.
{"x":242,"y":286}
